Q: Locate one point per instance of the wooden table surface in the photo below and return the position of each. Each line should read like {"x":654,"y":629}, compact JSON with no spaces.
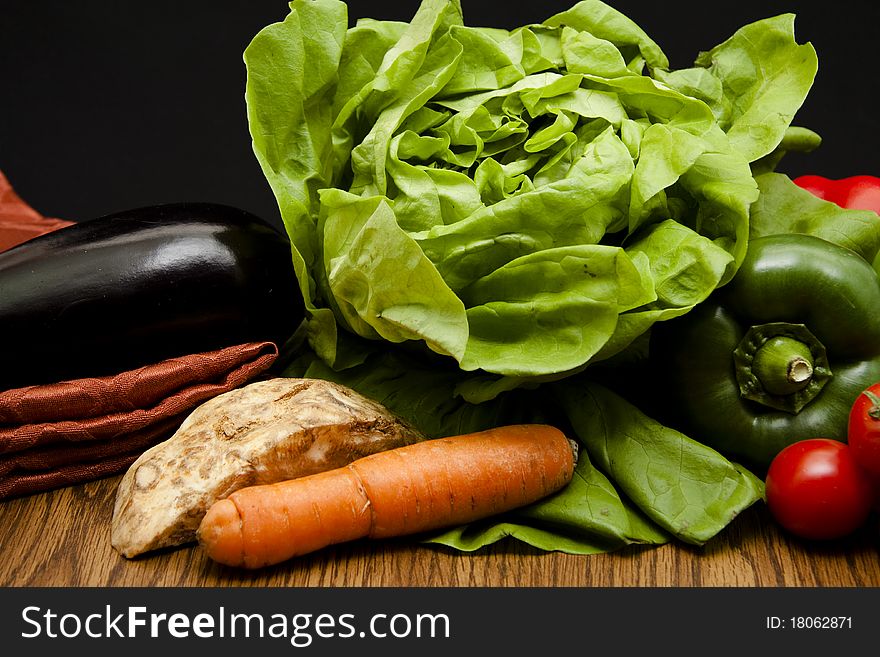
{"x":62,"y":538}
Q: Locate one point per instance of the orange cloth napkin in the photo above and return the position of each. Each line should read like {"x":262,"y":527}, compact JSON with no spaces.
{"x":18,"y":221}
{"x":70,"y":432}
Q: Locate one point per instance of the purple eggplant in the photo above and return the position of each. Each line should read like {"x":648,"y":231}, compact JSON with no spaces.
{"x":134,"y":288}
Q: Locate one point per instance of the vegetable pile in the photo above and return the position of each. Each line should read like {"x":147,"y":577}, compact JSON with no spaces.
{"x":487,"y":226}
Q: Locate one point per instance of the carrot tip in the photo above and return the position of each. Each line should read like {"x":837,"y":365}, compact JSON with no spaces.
{"x":220,"y":533}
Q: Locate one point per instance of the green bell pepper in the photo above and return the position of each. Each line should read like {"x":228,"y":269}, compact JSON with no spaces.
{"x":776,"y":356}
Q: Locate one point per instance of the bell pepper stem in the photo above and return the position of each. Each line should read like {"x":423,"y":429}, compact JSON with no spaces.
{"x":783,"y":365}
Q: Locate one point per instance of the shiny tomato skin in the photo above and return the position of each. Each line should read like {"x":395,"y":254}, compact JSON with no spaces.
{"x":863,"y":434}
{"x":816,"y":490}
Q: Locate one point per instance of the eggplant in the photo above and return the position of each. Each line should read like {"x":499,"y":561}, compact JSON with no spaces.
{"x":136,"y":287}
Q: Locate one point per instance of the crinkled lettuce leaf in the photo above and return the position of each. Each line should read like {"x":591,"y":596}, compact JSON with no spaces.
{"x":765,"y":76}
{"x":676,"y":269}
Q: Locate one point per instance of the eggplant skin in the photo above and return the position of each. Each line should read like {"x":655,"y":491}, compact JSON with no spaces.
{"x":140,"y":286}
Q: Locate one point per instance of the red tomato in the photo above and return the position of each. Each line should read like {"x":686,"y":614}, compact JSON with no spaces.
{"x":864,"y":430}
{"x":816,"y":490}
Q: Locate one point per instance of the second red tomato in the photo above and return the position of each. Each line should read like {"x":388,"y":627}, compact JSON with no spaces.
{"x":864,"y":430}
{"x":816,"y":490}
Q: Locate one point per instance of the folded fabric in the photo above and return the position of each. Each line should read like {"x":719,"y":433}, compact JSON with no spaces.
{"x":18,"y":221}
{"x":73,"y":431}
{"x":70,"y":432}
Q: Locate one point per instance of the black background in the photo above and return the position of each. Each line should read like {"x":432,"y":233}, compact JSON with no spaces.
{"x":107,"y":105}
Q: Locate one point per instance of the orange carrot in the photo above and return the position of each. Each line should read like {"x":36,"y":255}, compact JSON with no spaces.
{"x":429,"y":485}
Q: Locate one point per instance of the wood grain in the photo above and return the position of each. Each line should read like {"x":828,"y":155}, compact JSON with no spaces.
{"x":62,"y":538}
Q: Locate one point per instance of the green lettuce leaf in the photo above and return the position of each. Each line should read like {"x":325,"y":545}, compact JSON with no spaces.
{"x":548,"y":311}
{"x":366,"y":286}
{"x":783,"y":207}
{"x":598,"y":19}
{"x":683,"y":267}
{"x":290,"y":117}
{"x":765,"y":76}
{"x":687,"y":488}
